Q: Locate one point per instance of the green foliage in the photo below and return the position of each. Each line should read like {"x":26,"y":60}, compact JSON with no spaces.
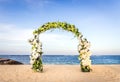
{"x":63,"y":25}
{"x":85,"y":68}
{"x":37,"y":66}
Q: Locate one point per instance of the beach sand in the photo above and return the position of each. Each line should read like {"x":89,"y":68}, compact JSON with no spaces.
{"x":59,"y":73}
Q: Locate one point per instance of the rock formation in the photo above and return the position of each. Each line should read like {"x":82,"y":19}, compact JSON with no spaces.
{"x":4,"y":61}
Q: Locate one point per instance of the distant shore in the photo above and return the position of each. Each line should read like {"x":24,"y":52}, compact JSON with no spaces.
{"x":4,"y":61}
{"x":59,"y":73}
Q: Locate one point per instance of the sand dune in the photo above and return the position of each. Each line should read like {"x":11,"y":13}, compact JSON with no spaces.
{"x":59,"y":73}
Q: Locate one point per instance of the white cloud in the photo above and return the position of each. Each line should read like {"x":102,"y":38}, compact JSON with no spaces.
{"x":14,"y":40}
{"x":11,"y":32}
{"x":55,"y":43}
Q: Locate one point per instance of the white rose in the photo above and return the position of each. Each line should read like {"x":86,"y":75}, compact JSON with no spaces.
{"x":80,"y":43}
{"x":36,"y":55}
{"x":83,"y":56}
{"x":86,"y":62}
{"x":40,"y":44}
{"x":39,"y":50}
{"x":89,"y":53}
{"x":32,"y":61}
{"x":82,"y":51}
{"x":34,"y":50}
{"x":85,"y":43}
{"x":79,"y":47}
{"x":31,"y":41}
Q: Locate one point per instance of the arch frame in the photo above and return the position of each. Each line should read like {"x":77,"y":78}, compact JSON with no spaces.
{"x":36,"y":50}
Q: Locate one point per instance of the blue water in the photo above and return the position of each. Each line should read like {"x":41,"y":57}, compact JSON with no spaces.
{"x":67,"y":59}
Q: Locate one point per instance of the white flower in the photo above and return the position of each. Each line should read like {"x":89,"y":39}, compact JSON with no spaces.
{"x":83,"y":51}
{"x":38,"y":70}
{"x":79,"y":47}
{"x":80,"y":43}
{"x":84,"y":39}
{"x":31,"y":41}
{"x":39,"y":50}
{"x":40,"y":44}
{"x":34,"y":50}
{"x":86,"y":62}
{"x":80,"y":36}
{"x":89,"y":53}
{"x":83,"y":56}
{"x":36,"y":45}
{"x":32,"y":61}
{"x":36,"y":55}
{"x":35,"y":41}
{"x":87,"y":45}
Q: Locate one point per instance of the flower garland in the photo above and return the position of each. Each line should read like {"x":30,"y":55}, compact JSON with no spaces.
{"x":84,"y":54}
{"x":35,"y":57}
{"x":83,"y":47}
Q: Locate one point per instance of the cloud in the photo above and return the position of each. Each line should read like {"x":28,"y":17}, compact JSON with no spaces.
{"x":13,"y":40}
{"x":11,"y":32}
{"x":55,"y":43}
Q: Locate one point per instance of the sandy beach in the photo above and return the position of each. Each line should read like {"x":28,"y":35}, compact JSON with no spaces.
{"x":59,"y":73}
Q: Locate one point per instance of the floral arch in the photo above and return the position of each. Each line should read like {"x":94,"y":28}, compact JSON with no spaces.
{"x":83,"y":46}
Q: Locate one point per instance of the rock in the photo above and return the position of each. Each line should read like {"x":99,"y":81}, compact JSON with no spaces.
{"x":4,"y":61}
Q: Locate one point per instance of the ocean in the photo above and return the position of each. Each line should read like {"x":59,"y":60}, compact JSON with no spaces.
{"x":67,"y":59}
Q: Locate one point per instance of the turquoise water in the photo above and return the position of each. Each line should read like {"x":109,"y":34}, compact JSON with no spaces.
{"x":67,"y":59}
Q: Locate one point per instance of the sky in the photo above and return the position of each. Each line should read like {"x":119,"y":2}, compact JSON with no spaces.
{"x":97,"y":20}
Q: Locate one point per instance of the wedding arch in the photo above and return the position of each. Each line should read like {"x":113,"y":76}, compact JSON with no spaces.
{"x":83,"y":46}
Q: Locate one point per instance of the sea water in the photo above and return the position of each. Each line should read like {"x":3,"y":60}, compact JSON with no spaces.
{"x":66,"y":59}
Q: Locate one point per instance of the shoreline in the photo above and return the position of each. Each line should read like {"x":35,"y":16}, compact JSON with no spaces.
{"x":66,"y":59}
{"x":59,"y":73}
